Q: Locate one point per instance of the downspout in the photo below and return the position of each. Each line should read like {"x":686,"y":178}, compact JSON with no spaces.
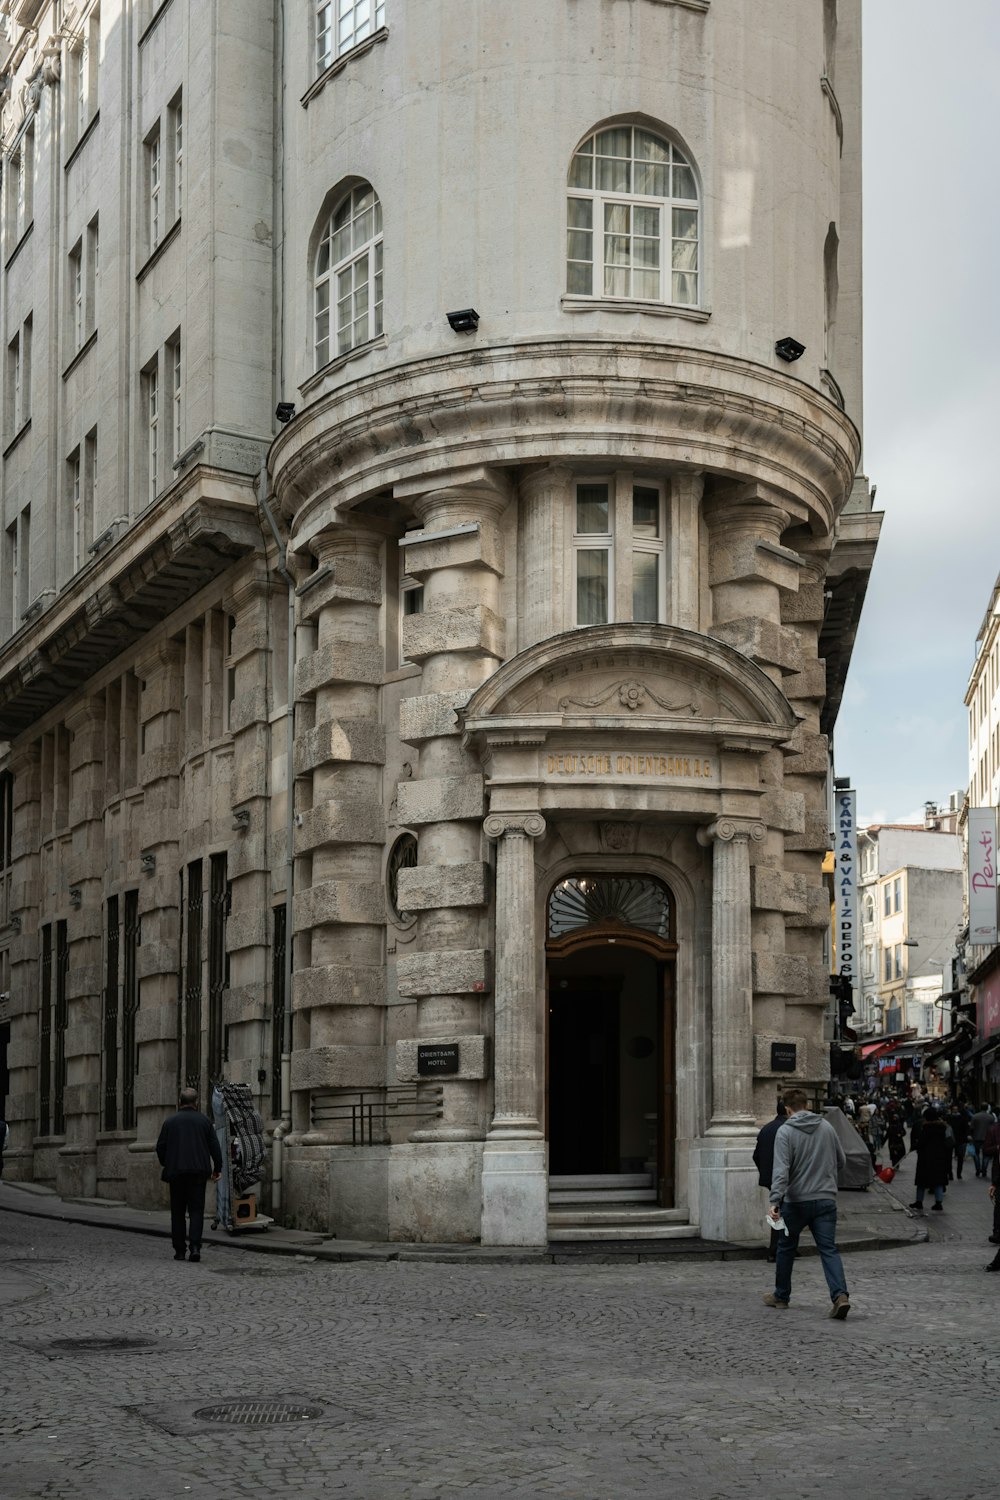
{"x":284,"y":1124}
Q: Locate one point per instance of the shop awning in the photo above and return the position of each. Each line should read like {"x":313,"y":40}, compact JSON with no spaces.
{"x":948,"y":1045}
{"x":875,"y":1049}
{"x":983,"y":1052}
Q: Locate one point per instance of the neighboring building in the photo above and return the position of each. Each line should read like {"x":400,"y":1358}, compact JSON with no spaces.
{"x":576,"y":552}
{"x":982,"y":699}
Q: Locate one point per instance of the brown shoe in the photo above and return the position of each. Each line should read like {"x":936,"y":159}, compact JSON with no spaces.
{"x":841,"y":1306}
{"x":770,"y":1300}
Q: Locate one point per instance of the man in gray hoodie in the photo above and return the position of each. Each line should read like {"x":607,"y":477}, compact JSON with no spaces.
{"x":807,"y":1158}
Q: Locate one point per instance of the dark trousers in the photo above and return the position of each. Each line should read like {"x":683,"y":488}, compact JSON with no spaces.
{"x":961,"y":1155}
{"x":187,"y":1199}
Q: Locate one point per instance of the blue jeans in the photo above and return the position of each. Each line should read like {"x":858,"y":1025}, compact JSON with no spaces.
{"x":820,"y":1216}
{"x":937,"y":1191}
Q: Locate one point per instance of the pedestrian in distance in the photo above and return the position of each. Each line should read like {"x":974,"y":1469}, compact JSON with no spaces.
{"x":958,"y":1121}
{"x":895,"y":1134}
{"x":933,"y":1160}
{"x":763,"y":1160}
{"x":979,"y":1127}
{"x":189,"y":1154}
{"x":808,"y":1159}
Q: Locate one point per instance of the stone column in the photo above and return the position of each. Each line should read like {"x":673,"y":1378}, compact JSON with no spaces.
{"x":515,"y":1181}
{"x":23,"y":952}
{"x":728,"y":1200}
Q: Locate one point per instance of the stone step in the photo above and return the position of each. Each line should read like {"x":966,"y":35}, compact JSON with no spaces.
{"x":621,"y":1232}
{"x":605,"y":1195}
{"x":594,"y":1181}
{"x":595,"y":1217}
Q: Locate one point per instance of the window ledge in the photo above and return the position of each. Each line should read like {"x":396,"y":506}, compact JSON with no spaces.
{"x":573,"y":304}
{"x":403,"y":672}
{"x":834,"y":389}
{"x":701,"y":5}
{"x":17,"y":248}
{"x":84,"y":138}
{"x":154,"y":21}
{"x":340,"y":63}
{"x":151,"y":259}
{"x":19,"y":434}
{"x":313,"y":381}
{"x":84,"y":349}
{"x":827,"y":88}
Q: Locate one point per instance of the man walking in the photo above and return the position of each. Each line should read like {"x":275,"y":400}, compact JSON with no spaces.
{"x":189,"y":1154}
{"x":807,"y":1158}
{"x":979,"y":1127}
{"x":763,"y":1160}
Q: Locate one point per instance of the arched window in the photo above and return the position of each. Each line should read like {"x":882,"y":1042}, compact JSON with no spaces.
{"x":348,"y":287}
{"x":633,"y":228}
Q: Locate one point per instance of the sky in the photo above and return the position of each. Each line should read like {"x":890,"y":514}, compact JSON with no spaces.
{"x":932,"y":396}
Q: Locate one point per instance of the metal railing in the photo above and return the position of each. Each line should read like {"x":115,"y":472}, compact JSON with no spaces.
{"x":370,"y":1111}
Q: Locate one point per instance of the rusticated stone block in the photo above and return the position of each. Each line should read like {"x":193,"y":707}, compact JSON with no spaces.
{"x":339,"y":661}
{"x":784,"y":810}
{"x":441,"y":799}
{"x":341,"y":821}
{"x":777,"y":890}
{"x":809,"y":683}
{"x":762,"y":641}
{"x":348,"y":901}
{"x":779,"y":974}
{"x":337,"y":984}
{"x":431,"y":715}
{"x":248,"y":708}
{"x":82,"y":1098}
{"x":247,"y":929}
{"x":473,"y":627}
{"x":339,"y":1068}
{"x":460,"y":971}
{"x":84,"y":979}
{"x":157,"y":1023}
{"x":158,"y":764}
{"x":428,"y":886}
{"x":350,"y":580}
{"x":745,"y":558}
{"x":153,"y":957}
{"x":482,"y":544}
{"x":807,"y":605}
{"x":815,"y":835}
{"x":249,"y":780}
{"x":83,"y":1039}
{"x":810,"y":754}
{"x":473,"y":1057}
{"x":243,"y":1002}
{"x":816,"y":912}
{"x":340,"y":740}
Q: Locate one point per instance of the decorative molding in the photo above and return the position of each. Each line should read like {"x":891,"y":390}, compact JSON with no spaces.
{"x":619,"y":838}
{"x":340,"y":63}
{"x":732,"y":831}
{"x":632,"y":694}
{"x":573,"y":303}
{"x":498,"y":825}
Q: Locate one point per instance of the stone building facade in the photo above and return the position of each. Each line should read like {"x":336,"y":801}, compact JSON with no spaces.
{"x":542,"y":608}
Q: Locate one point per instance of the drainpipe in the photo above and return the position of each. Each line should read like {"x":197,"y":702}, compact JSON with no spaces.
{"x":284,"y":1124}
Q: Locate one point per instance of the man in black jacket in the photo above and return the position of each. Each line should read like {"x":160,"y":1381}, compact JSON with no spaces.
{"x":189,"y":1154}
{"x":763,"y":1160}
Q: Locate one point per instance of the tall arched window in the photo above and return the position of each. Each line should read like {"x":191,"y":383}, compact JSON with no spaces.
{"x":348,"y":286}
{"x":633,"y":223}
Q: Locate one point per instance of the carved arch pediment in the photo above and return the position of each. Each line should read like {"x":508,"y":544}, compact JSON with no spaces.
{"x":639,"y":677}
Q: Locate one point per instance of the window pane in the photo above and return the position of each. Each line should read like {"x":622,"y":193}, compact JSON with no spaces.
{"x":646,"y":252}
{"x":580,"y":245}
{"x":592,"y":510}
{"x":646,"y":221}
{"x":591,"y":587}
{"x":650,"y":147}
{"x":340,"y":244}
{"x":616,"y":218}
{"x":685,"y":289}
{"x":685,"y":255}
{"x":685,"y":225}
{"x":580,"y":213}
{"x":646,"y":285}
{"x":323,"y":258}
{"x":684,"y":184}
{"x":616,"y":283}
{"x":613,"y":176}
{"x":645,"y":585}
{"x":581,"y":171}
{"x":616,"y":250}
{"x":645,"y":511}
{"x":580,"y":279}
{"x":651,"y":179}
{"x":615,"y":142}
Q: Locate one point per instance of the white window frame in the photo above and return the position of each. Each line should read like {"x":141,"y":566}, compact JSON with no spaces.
{"x":671,"y":289}
{"x":176,"y":395}
{"x":342,"y":25}
{"x":593,"y":541}
{"x":335,"y":318}
{"x":175,"y":147}
{"x":74,"y":486}
{"x":76,"y":294}
{"x":151,"y":417}
{"x":620,"y":543}
{"x":154,"y":187}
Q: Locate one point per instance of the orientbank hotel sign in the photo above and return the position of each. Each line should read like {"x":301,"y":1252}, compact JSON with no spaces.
{"x":982,"y":875}
{"x":846,"y":884}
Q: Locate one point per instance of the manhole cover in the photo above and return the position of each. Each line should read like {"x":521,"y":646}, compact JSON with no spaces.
{"x":99,"y":1345}
{"x":259,"y":1413}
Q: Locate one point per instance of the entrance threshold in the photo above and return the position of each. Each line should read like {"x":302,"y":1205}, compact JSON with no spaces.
{"x":612,"y":1206}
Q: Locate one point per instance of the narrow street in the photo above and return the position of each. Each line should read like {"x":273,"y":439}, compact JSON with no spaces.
{"x":593,"y":1381}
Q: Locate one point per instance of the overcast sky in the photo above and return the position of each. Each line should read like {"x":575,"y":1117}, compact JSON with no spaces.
{"x":932,"y":396}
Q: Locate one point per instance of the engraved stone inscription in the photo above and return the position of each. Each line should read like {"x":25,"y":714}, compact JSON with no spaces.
{"x":627,"y":766}
{"x":442,"y":1058}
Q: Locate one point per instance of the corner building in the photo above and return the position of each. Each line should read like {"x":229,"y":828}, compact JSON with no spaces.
{"x":576,"y":559}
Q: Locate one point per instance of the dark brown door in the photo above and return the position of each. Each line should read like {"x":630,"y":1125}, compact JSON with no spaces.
{"x":667,"y":1087}
{"x":583,"y":1077}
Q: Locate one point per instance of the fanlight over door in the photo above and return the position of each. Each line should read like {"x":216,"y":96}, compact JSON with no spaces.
{"x":582,"y":901}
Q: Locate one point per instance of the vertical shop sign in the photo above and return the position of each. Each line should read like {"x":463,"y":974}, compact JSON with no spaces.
{"x":982,"y":874}
{"x":846,"y":884}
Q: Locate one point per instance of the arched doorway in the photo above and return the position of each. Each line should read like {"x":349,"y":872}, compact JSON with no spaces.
{"x":610,"y":1035}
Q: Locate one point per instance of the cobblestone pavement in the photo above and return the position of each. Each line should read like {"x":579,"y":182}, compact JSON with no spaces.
{"x":431,"y":1380}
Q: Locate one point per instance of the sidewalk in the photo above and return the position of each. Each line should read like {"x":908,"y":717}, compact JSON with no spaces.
{"x":876,"y":1219}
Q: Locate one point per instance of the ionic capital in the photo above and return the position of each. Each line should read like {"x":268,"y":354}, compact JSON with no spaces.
{"x":732,"y":831}
{"x":527,"y":825}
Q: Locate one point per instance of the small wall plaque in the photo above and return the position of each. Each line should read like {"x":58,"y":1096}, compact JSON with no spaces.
{"x":434,"y":1060}
{"x":783,"y":1057}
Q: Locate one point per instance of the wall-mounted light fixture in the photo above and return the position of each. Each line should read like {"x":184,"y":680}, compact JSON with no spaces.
{"x":284,"y":411}
{"x":147,"y":862}
{"x":466,"y":320}
{"x":75,"y":897}
{"x":241,"y":819}
{"x":789,"y":349}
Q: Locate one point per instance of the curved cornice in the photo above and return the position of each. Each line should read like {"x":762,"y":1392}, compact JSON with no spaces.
{"x":496,"y":700}
{"x":564,"y":400}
